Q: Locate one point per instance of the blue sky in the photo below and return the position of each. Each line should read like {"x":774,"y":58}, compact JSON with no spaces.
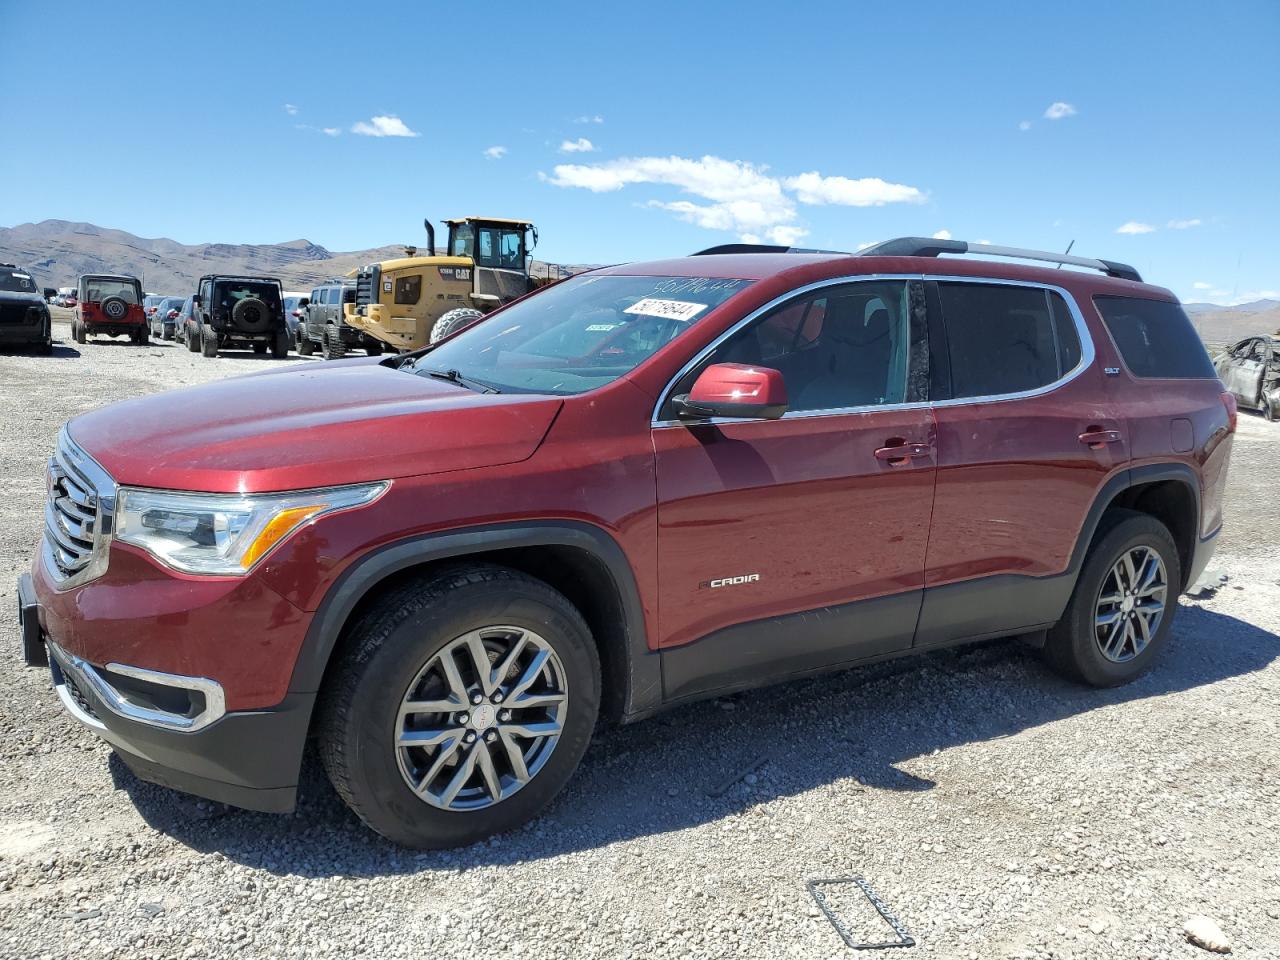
{"x":1146,"y":132}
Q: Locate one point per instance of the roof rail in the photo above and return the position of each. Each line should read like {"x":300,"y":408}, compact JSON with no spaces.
{"x":928,"y":247}
{"x":758,"y":248}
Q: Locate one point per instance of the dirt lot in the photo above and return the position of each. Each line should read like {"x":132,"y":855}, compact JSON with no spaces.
{"x":999,"y":811}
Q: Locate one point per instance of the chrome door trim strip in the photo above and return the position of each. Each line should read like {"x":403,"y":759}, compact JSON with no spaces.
{"x":1087,"y":352}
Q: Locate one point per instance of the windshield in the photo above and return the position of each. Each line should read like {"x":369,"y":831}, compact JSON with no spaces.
{"x":13,"y":281}
{"x":98,"y":289}
{"x":579,"y":334}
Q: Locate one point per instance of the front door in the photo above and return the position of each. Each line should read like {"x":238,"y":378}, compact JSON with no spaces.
{"x":792,"y":544}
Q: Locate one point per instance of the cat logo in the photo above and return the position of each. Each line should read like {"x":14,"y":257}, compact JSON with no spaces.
{"x":729,"y":581}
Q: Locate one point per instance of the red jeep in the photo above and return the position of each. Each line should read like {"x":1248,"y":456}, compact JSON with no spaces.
{"x":111,"y":305}
{"x":640,"y":486}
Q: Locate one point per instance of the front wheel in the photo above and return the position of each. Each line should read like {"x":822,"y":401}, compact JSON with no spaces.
{"x":1122,"y":609}
{"x":462,"y":706}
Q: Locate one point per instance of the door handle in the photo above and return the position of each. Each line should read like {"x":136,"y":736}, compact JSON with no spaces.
{"x":898,"y":452}
{"x":1096,"y":438}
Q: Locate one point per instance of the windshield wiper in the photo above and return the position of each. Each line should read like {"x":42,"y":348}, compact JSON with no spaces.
{"x":453,"y":376}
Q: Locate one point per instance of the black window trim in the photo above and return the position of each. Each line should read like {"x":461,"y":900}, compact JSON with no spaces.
{"x":1087,"y":352}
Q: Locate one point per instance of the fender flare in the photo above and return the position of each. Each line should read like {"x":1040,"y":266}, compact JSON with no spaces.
{"x":642,"y":677}
{"x":1124,"y":480}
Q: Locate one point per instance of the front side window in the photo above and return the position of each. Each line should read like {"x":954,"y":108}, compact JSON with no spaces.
{"x":409,"y":289}
{"x":579,"y":334}
{"x":840,"y":346}
{"x":1006,"y":339}
{"x":1156,"y":338}
{"x":462,"y":240}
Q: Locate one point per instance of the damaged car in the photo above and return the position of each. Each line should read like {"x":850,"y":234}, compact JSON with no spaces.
{"x":1251,"y":371}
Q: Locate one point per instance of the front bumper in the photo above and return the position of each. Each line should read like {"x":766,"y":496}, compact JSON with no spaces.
{"x":22,"y":332}
{"x":173,"y":730}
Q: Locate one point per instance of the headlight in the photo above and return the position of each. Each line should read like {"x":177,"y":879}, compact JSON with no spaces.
{"x":225,"y":534}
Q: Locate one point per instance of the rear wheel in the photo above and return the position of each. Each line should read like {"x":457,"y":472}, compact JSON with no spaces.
{"x":142,"y":337}
{"x":372,"y":347}
{"x":191,"y":339}
{"x":463,"y":705}
{"x":1122,"y":609}
{"x":208,"y":340}
{"x":280,"y":346}
{"x":452,"y":322}
{"x":331,"y":345}
{"x":77,"y":331}
{"x":306,"y":346}
{"x":259,"y":347}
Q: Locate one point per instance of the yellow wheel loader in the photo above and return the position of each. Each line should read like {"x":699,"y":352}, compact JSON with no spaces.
{"x":413,"y":301}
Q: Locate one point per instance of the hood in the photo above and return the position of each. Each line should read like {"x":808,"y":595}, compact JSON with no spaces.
{"x":310,"y":426}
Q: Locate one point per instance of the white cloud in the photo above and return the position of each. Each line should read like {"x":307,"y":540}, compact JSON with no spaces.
{"x":1058,"y":109}
{"x":741,"y":197}
{"x":581,"y":145}
{"x":985,"y":243}
{"x":1134,"y":227}
{"x":383,"y":126}
{"x":1024,"y":126}
{"x":330,"y":131}
{"x":495,"y":153}
{"x":787,"y":236}
{"x":942,"y":235}
{"x":1201,"y":285}
{"x":813,"y":188}
{"x":594,"y":118}
{"x":1183,"y":224}
{"x":749,"y":238}
{"x":864,"y":246}
{"x":290,"y":109}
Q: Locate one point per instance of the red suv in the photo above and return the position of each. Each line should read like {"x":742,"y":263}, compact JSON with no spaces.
{"x":637,"y":487}
{"x":112,"y":305}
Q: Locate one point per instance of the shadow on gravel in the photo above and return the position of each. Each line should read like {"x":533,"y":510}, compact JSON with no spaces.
{"x":702,"y":762}
{"x":60,"y":351}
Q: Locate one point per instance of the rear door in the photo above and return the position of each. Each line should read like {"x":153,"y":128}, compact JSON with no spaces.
{"x":792,"y":544}
{"x":1026,"y":439}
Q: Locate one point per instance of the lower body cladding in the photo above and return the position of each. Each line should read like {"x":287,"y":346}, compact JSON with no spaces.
{"x":172,"y":730}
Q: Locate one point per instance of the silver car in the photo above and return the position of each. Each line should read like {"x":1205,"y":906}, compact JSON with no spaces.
{"x":1251,"y":371}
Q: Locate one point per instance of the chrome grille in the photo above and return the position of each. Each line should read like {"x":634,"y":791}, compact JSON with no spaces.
{"x":76,"y":513}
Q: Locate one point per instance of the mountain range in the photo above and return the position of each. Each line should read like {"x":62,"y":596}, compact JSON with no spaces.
{"x":58,"y":251}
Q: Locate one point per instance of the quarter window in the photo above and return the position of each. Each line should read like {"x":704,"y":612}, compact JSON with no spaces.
{"x":409,"y":289}
{"x":840,"y":346}
{"x":1006,"y":339}
{"x":1155,"y":338}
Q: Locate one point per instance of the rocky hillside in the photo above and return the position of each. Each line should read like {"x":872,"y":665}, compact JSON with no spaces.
{"x":57,"y":251}
{"x":1222,"y":326}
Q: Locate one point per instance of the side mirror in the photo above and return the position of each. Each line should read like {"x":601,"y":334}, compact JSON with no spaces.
{"x":734,"y":390}
{"x":195,"y":300}
{"x":304,"y":302}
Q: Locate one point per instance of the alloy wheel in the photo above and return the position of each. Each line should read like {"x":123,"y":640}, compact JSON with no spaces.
{"x":1131,"y":604}
{"x":481,"y":718}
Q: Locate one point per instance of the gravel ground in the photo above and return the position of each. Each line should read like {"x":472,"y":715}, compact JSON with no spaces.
{"x":998,"y":810}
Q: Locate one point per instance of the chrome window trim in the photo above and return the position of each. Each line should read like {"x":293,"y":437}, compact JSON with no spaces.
{"x":72,"y":459}
{"x":86,"y":674}
{"x":1087,"y":352}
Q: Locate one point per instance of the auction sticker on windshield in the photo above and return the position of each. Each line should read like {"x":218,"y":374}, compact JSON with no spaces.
{"x":667,"y":309}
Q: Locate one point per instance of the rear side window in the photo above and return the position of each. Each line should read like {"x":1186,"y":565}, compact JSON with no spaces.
{"x":1006,"y":339}
{"x":1155,"y":338}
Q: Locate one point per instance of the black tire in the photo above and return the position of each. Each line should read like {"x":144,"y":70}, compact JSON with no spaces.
{"x":208,"y":340}
{"x":45,"y":346}
{"x":1270,"y":410}
{"x":77,"y":331}
{"x":280,"y":346}
{"x":1072,"y":647}
{"x":251,"y":315}
{"x":373,"y":347}
{"x":260,"y":347}
{"x":452,"y":322}
{"x":331,"y":345}
{"x":189,"y":337}
{"x":142,"y":337}
{"x":387,"y":648}
{"x":114,"y":309}
{"x":306,"y":346}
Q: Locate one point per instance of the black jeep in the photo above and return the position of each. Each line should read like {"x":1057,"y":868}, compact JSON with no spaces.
{"x":240,"y":312}
{"x":24,"y":318}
